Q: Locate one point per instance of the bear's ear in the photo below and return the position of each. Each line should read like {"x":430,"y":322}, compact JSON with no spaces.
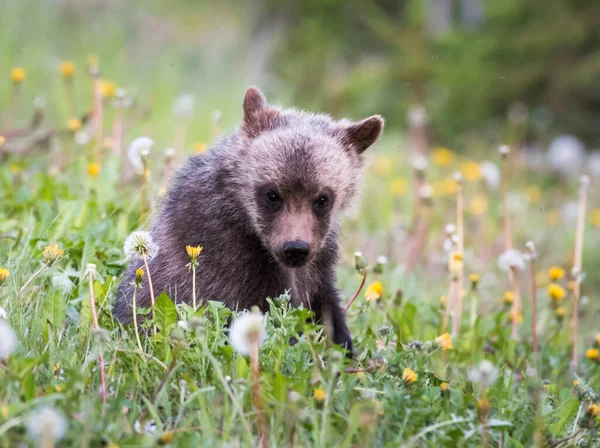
{"x":257,"y":112}
{"x":364,"y":133}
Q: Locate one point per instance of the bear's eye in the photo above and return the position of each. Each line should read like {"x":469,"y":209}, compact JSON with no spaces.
{"x":322,"y":202}
{"x":273,"y":197}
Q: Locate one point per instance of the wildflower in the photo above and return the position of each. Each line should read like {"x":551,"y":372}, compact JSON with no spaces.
{"x":444,"y":342}
{"x":474,"y":279}
{"x":566,"y":155}
{"x":398,"y":186}
{"x":74,"y":124}
{"x":108,"y":89}
{"x":478,"y":204}
{"x":556,"y":292}
{"x":139,"y":245}
{"x":82,"y":137}
{"x":46,"y":423}
{"x":247,"y":329}
{"x":419,"y":163}
{"x":319,"y":395}
{"x":576,"y":383}
{"x":52,"y":253}
{"x":555,"y":273}
{"x":381,"y":261}
{"x":443,"y":302}
{"x":139,"y":276}
{"x":139,"y":148}
{"x":8,"y":340}
{"x":409,"y":376}
{"x":471,"y":171}
{"x":508,"y":298}
{"x":166,"y":438}
{"x":491,"y":174}
{"x":18,"y":75}
{"x":593,"y":354}
{"x":445,"y":387}
{"x":515,"y":317}
{"x":426,"y":191}
{"x":417,"y":115}
{"x":93,"y":169}
{"x":504,"y":150}
{"x":170,"y":153}
{"x":511,"y":258}
{"x":442,"y":156}
{"x":485,"y":373}
{"x":560,"y":313}
{"x":199,"y":147}
{"x":374,"y":291}
{"x":4,"y":273}
{"x":66,"y":69}
{"x":445,"y":187}
{"x":359,"y":262}
{"x":193,"y":253}
{"x":483,"y":405}
{"x":456,"y":263}
{"x":183,"y":107}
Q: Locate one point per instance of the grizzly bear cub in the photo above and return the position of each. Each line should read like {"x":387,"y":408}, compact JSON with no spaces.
{"x":265,"y":203}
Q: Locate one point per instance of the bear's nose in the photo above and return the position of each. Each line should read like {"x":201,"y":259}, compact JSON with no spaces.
{"x":296,"y":251}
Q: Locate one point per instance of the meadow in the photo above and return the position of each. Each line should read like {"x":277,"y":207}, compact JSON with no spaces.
{"x":470,"y":279}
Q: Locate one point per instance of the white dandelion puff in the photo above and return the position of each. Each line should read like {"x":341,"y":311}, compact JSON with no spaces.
{"x":566,"y":155}
{"x":139,"y":244}
{"x":139,"y":148}
{"x":3,"y":314}
{"x":419,"y":162}
{"x":485,"y":373}
{"x":8,"y":339}
{"x":511,"y":258}
{"x":593,"y":163}
{"x":82,"y":138}
{"x":62,"y":282}
{"x":46,"y":423}
{"x":417,"y":116}
{"x":491,"y":174}
{"x":244,"y":329}
{"x":169,"y":153}
{"x":184,"y":105}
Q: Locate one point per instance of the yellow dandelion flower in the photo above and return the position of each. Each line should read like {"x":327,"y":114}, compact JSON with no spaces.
{"x":456,"y":262}
{"x":445,"y":187}
{"x":515,"y":316}
{"x":595,"y":217}
{"x":74,"y":124}
{"x":399,"y":186}
{"x":443,"y":301}
{"x":555,"y":273}
{"x":382,"y":165}
{"x":556,"y":292}
{"x":593,"y":354}
{"x":193,"y":252}
{"x":108,"y":89}
{"x":471,"y":170}
{"x":508,"y":298}
{"x":166,"y":438}
{"x":442,"y":156}
{"x":93,"y":169}
{"x":66,"y":69}
{"x":2,"y":140}
{"x":139,"y":275}
{"x":18,"y":75}
{"x":576,"y":383}
{"x":533,"y":193}
{"x":52,"y":253}
{"x":474,"y":279}
{"x":478,"y":204}
{"x":445,"y":387}
{"x":374,"y":291}
{"x":4,"y":273}
{"x":560,"y":312}
{"x":409,"y":376}
{"x":319,"y":395}
{"x":594,"y":410}
{"x":483,"y":405}
{"x":199,"y":147}
{"x":444,"y":341}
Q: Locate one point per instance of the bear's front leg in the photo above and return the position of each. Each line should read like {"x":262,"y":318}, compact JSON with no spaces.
{"x":328,"y":312}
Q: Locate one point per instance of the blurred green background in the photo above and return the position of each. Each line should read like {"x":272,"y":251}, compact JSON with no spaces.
{"x":469,"y":62}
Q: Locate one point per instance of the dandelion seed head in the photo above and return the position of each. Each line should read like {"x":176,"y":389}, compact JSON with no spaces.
{"x":485,"y":373}
{"x":169,"y":153}
{"x":62,"y":282}
{"x":419,"y":162}
{"x":417,"y":116}
{"x":82,"y":138}
{"x":140,"y":147}
{"x":491,"y":174}
{"x":184,"y":105}
{"x":46,"y":422}
{"x":248,"y":329}
{"x":566,"y":155}
{"x":139,"y":244}
{"x":511,"y":258}
{"x":504,"y":150}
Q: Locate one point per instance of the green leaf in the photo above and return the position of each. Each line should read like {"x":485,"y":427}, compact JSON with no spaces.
{"x":29,"y":386}
{"x":565,"y":414}
{"x":165,"y":313}
{"x":53,"y":309}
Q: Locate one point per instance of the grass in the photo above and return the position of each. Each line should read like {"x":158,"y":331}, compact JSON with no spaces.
{"x":187,"y":386}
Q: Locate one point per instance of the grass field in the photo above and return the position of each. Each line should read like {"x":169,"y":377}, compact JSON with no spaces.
{"x":445,"y":350}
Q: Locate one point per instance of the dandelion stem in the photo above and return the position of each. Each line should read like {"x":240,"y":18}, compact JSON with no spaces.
{"x":97,"y":327}
{"x":151,"y":292}
{"x":454,"y":304}
{"x":194,"y":286}
{"x":577,"y":266}
{"x":360,"y":287}
{"x":98,"y":117}
{"x":474,"y":302}
{"x":32,"y":278}
{"x":460,"y":232}
{"x":516,"y":306}
{"x":135,"y":325}
{"x":533,"y":306}
{"x":257,"y":395}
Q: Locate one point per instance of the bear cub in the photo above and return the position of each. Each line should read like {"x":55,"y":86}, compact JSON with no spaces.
{"x":265,"y":202}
